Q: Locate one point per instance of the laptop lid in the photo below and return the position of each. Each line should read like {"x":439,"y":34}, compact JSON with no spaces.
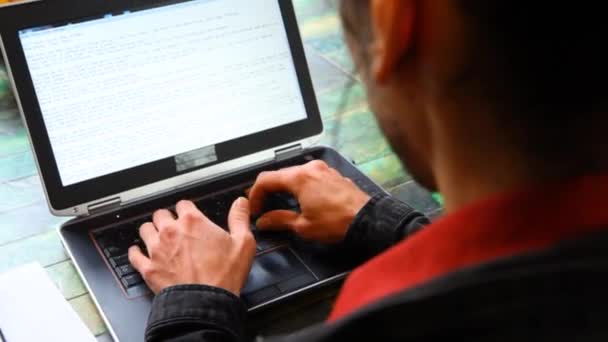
{"x":127,"y":99}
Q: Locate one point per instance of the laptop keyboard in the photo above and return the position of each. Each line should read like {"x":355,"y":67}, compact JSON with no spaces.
{"x":114,"y":242}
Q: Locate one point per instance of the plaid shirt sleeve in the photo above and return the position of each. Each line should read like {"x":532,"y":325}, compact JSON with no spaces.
{"x":383,"y":222}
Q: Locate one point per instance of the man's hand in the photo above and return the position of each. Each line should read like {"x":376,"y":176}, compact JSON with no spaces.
{"x":329,"y":202}
{"x":193,"y":250}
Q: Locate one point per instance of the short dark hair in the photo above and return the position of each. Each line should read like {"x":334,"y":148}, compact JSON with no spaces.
{"x":540,"y":65}
{"x":549,"y":53}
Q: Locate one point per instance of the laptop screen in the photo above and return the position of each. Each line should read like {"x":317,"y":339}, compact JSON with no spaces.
{"x":131,"y":88}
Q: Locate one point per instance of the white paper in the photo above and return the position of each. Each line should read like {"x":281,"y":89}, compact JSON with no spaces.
{"x":33,"y":309}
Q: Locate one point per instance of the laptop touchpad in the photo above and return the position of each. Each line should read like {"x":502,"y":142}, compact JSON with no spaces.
{"x":275,"y":274}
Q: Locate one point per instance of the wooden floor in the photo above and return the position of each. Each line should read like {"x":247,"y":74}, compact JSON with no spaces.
{"x":27,"y":230}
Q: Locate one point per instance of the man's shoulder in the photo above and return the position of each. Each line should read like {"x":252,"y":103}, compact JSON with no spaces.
{"x":554,"y":293}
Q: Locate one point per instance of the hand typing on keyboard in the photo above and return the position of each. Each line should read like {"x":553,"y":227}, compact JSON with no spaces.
{"x":328,"y":201}
{"x":191,"y":249}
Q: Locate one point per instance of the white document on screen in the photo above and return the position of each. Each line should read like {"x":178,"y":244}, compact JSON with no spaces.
{"x":129,"y":89}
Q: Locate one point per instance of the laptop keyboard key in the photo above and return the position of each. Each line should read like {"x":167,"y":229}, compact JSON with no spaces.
{"x":138,"y":290}
{"x":132,"y":280}
{"x":124,"y":270}
{"x":119,"y":260}
{"x":292,"y":202}
{"x":268,"y":240}
{"x":111,"y":251}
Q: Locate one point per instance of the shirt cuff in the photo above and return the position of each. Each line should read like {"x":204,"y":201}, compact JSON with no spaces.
{"x":194,"y":307}
{"x":381,"y":223}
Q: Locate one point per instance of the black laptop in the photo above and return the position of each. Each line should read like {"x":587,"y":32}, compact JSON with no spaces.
{"x":133,"y":105}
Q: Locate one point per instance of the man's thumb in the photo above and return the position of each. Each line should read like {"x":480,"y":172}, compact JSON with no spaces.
{"x":238,"y":218}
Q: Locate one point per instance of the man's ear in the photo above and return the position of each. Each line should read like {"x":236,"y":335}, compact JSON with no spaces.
{"x":392,"y":31}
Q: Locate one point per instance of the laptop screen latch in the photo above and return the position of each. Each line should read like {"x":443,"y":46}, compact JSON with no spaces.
{"x":105,"y":205}
{"x":288,"y":152}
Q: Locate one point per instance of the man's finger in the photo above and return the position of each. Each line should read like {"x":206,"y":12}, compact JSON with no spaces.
{"x":187,"y":207}
{"x":162,"y":218}
{"x":148,"y":233}
{"x":278,"y":220}
{"x":238,"y":217}
{"x":334,"y":172}
{"x":138,"y":259}
{"x":268,"y":182}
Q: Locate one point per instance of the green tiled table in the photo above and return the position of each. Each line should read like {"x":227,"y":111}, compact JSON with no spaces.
{"x":27,"y":230}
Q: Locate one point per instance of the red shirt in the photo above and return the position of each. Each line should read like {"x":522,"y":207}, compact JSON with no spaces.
{"x":499,"y":227}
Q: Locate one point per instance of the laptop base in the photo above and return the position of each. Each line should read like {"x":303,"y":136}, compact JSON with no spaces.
{"x":297,"y":268}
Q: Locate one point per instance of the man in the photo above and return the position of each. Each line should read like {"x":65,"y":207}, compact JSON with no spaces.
{"x":501,"y":106}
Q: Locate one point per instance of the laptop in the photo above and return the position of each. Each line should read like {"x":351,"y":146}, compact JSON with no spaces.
{"x":133,"y":105}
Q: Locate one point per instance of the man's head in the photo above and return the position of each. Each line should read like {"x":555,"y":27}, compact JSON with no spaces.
{"x":510,"y":86}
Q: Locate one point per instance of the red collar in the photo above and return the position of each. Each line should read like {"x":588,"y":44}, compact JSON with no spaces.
{"x":498,"y":227}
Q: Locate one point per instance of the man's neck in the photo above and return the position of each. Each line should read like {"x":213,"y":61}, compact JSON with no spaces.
{"x":472,"y":170}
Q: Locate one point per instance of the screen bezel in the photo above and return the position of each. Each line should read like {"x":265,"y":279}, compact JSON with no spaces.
{"x":42,"y":13}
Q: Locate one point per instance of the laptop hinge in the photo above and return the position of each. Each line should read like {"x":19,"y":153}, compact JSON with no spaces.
{"x":288,"y":152}
{"x":105,"y":205}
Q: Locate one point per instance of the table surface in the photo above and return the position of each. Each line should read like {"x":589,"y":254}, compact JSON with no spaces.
{"x":28,"y":231}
